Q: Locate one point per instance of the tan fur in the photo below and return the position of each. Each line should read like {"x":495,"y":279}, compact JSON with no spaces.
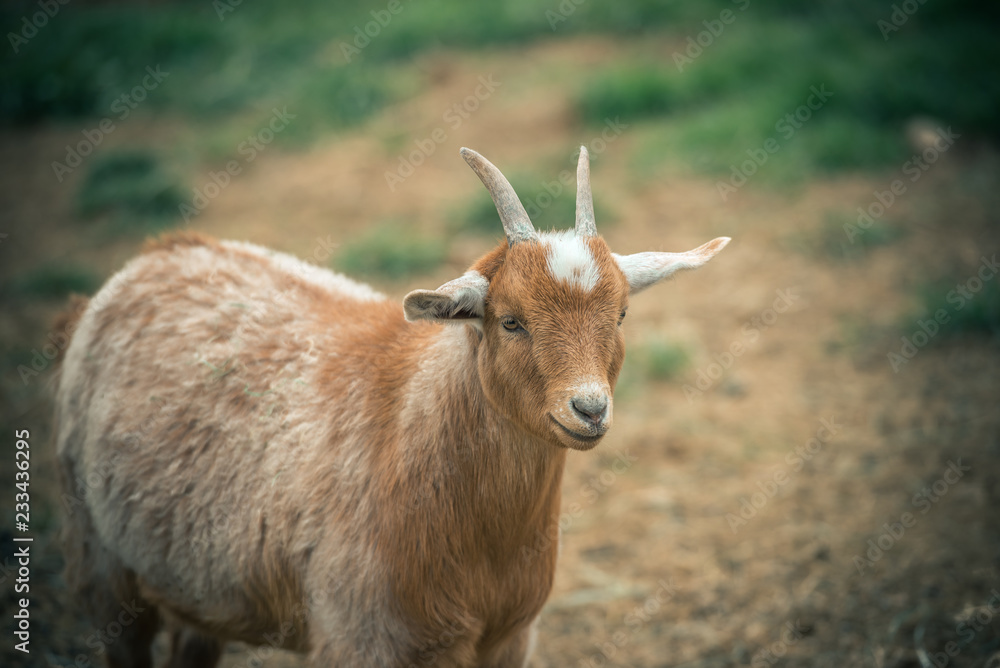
{"x":255,"y":449}
{"x":334,"y":452}
{"x":68,"y":319}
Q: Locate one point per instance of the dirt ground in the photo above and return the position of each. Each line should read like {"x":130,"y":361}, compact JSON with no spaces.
{"x":756,"y":518}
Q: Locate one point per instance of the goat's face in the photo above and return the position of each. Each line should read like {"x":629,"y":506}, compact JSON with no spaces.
{"x":549,"y":309}
{"x":552,"y":337}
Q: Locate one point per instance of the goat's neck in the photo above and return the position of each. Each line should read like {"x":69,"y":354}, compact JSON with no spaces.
{"x":469,"y":458}
{"x":476,"y":499}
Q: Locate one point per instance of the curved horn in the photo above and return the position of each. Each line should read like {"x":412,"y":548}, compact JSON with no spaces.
{"x":516,"y":223}
{"x":585,"y":225}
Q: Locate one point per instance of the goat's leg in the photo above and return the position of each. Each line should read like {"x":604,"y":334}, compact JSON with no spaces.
{"x":107,"y":591}
{"x":190,"y":649}
{"x":515,"y":651}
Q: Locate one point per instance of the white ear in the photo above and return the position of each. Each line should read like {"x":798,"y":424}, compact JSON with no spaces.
{"x":461,"y":300}
{"x":644,"y":269}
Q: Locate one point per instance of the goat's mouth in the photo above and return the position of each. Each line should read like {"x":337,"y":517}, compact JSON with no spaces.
{"x":583,"y":438}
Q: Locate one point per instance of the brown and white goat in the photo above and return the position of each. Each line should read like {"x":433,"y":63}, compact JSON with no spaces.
{"x":257,"y":449}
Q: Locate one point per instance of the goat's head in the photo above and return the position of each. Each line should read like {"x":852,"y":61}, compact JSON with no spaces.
{"x":549,"y":309}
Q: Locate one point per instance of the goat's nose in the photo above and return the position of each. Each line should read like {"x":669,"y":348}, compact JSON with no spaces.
{"x":590,"y":409}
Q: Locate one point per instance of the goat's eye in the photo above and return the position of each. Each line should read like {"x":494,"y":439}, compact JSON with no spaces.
{"x":510,"y":324}
{"x":621,"y":318}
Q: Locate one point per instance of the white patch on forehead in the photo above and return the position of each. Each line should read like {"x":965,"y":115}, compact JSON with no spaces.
{"x":570,"y":259}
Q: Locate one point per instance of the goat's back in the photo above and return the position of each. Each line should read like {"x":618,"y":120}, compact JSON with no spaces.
{"x":197,"y":386}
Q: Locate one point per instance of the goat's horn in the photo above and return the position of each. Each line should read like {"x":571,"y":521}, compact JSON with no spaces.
{"x":585,"y":225}
{"x":516,"y":223}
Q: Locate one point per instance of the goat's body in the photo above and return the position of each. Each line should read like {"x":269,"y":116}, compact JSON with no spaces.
{"x":268,"y":452}
{"x":253,"y":448}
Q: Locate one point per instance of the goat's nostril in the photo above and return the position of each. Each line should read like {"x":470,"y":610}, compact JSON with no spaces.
{"x":591,"y":410}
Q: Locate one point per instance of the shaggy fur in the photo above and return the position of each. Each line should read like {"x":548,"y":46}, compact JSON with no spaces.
{"x":256,"y":449}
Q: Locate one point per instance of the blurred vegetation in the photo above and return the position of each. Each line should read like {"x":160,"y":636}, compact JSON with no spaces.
{"x":132,"y":188}
{"x":839,"y":237}
{"x":391,"y":250}
{"x":53,"y":281}
{"x":969,"y":312}
{"x":334,"y":65}
{"x":662,"y":360}
{"x":737,"y":92}
{"x":223,"y":59}
{"x":549,"y":203}
{"x":652,"y":360}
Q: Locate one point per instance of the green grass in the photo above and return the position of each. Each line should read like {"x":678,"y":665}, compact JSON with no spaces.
{"x":651,"y":360}
{"x":85,"y":58}
{"x":260,"y":54}
{"x":390,"y":251}
{"x":227,"y":72}
{"x":633,"y":92}
{"x":662,"y":360}
{"x":972,"y":313}
{"x":131,"y":187}
{"x":839,"y":237}
{"x":550,"y":204}
{"x":54,"y":281}
{"x":763,"y":67}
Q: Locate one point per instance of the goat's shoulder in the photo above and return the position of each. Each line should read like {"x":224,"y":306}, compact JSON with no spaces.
{"x":194,"y":253}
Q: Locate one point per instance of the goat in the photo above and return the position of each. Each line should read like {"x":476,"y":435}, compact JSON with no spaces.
{"x":257,"y":449}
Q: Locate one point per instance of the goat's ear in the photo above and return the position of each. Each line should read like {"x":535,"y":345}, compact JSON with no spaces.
{"x":644,"y":269}
{"x":461,"y":300}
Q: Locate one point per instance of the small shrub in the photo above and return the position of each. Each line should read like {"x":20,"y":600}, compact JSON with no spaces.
{"x":657,"y":360}
{"x":632,"y":93}
{"x":54,"y":281}
{"x":664,"y":360}
{"x":130,"y":185}
{"x":831,"y":240}
{"x":971,"y":313}
{"x":390,"y":251}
